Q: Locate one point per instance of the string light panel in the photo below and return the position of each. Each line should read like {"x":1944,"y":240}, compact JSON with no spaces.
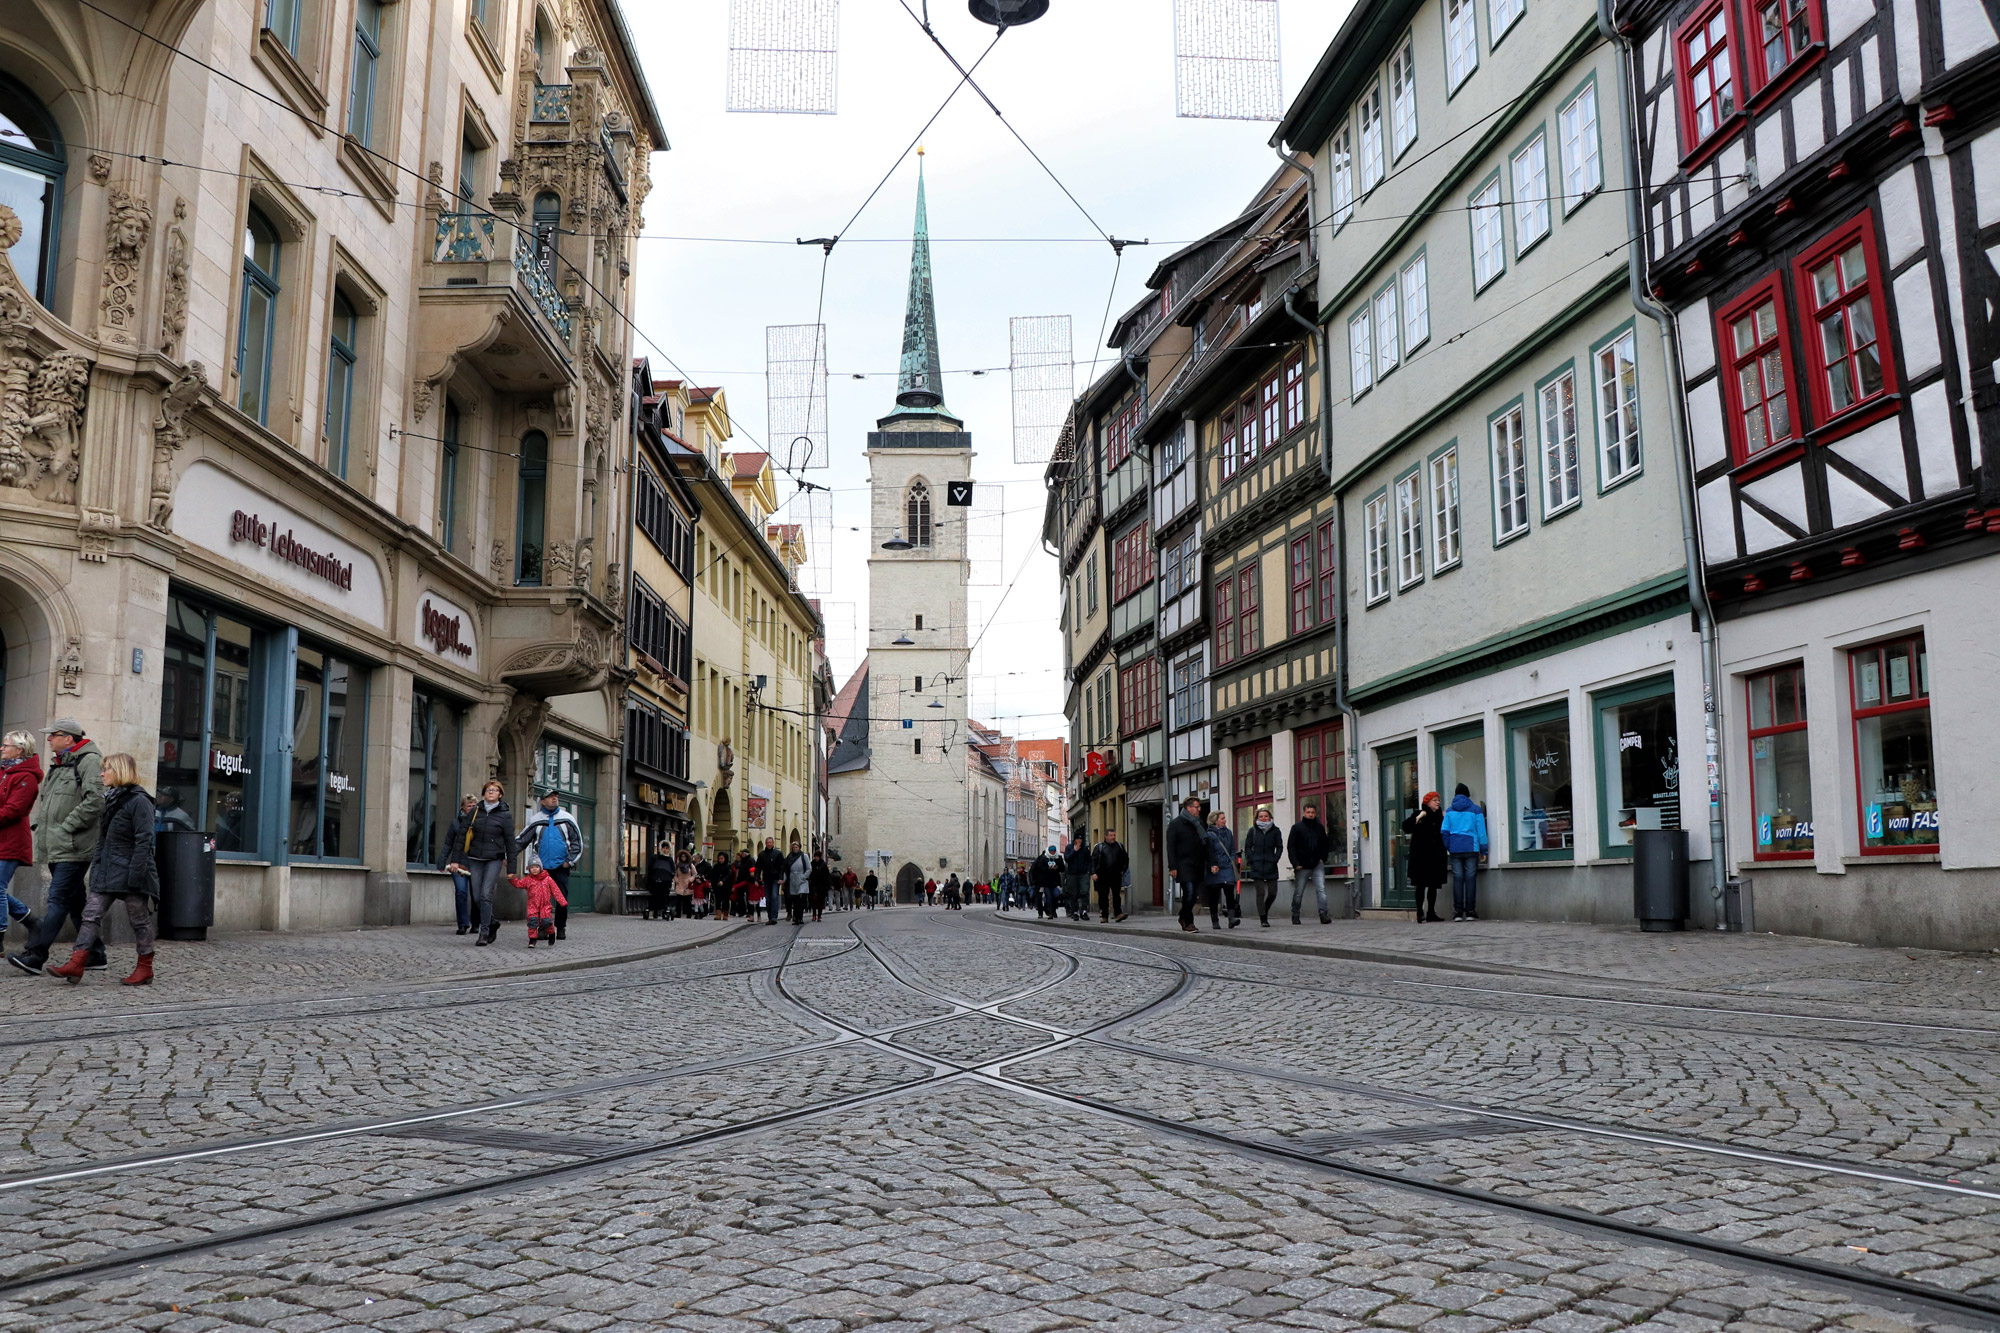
{"x":1041,"y":366}
{"x":985,"y":538}
{"x":783,"y":56}
{"x":1226,"y":60}
{"x":795,"y":396}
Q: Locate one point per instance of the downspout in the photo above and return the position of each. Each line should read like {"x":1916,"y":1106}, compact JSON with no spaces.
{"x":1352,"y":719}
{"x":1704,"y":617}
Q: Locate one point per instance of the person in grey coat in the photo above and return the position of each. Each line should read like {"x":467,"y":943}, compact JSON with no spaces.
{"x":65,"y":824}
{"x":1222,"y":869}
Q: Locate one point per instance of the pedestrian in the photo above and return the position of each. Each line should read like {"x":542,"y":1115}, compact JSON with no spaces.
{"x":1006,"y":888}
{"x":849,"y":884}
{"x":868,"y":888}
{"x":930,"y":893}
{"x":20,"y":783}
{"x":1108,"y":864}
{"x":771,"y":870}
{"x":1046,"y":875}
{"x":658,"y":881}
{"x":1262,"y":846}
{"x":819,"y":883}
{"x":798,"y":884}
{"x":1307,"y":846}
{"x":65,"y":823}
{"x":544,"y":896}
{"x":698,"y":896}
{"x":454,"y":847}
{"x":558,"y":841}
{"x":1428,"y":861}
{"x":489,"y":850}
{"x":1188,"y":857}
{"x":684,"y":886}
{"x":122,"y":869}
{"x":1076,"y":879}
{"x":168,"y":812}
{"x":1464,"y":830}
{"x":1222,"y":871}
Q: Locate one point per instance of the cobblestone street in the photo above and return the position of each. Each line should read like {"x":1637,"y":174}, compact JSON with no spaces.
{"x":921,"y":1120}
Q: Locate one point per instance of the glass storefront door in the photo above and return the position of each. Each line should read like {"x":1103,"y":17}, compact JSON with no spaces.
{"x":1398,"y":780}
{"x":574,"y":776}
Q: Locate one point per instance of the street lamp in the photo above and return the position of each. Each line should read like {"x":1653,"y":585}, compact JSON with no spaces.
{"x":896,"y":543}
{"x":902,"y":641}
{"x":1008,"y":13}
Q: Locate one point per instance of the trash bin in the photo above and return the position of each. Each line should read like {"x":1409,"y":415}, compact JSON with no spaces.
{"x":185,"y":859}
{"x":1660,"y":878}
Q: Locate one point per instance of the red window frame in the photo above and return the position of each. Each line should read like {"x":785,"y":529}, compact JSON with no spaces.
{"x":1248,"y":443}
{"x":1698,"y":28}
{"x":1317,"y":780}
{"x":1225,"y":436}
{"x":1798,"y":56}
{"x":1225,"y":620}
{"x":1131,"y":562}
{"x":1327,"y":570}
{"x":1139,"y":697}
{"x":1295,"y":391}
{"x":1859,"y":229}
{"x":1764,"y":681}
{"x":1118,"y":433}
{"x":1249,"y":595}
{"x":1274,"y":397}
{"x":1771,"y":291}
{"x":1301,"y":556}
{"x":1920,"y":699}
{"x":1253,"y":775}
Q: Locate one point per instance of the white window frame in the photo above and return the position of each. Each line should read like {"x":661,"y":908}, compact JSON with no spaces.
{"x":1388,"y":327}
{"x":1510,"y":474}
{"x":1529,"y":169}
{"x":1562,"y":459}
{"x":1461,"y":42}
{"x":1416,"y":296}
{"x":1582,"y":147}
{"x":1368,"y":112}
{"x":1402,"y":98}
{"x":1376,"y":526}
{"x":1340,"y":174}
{"x":1618,"y":453}
{"x":1504,"y":14}
{"x":1360,"y":354}
{"x":1447,"y":539}
{"x":1489,"y":235}
{"x":1409,"y":530}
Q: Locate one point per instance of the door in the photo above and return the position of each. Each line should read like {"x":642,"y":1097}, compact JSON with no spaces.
{"x":1398,"y":786}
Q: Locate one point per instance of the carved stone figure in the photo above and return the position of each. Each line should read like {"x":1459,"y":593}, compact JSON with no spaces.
{"x":174,"y":303}
{"x":54,"y":427}
{"x":497,"y":560}
{"x":580,"y":577}
{"x":94,"y":534}
{"x":126,"y":231}
{"x":557,"y":561}
{"x":168,"y":437}
{"x":614,"y":586}
{"x":69,"y":669}
{"x":41,"y":401}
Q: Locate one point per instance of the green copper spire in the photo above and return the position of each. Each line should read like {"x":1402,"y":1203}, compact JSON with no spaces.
{"x":920,"y":383}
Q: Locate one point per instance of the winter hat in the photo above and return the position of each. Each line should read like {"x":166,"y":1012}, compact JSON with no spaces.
{"x":1430,"y":796}
{"x":1462,"y":790}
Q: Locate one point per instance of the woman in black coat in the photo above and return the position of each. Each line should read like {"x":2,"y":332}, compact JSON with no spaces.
{"x":1429,"y":866}
{"x":485,"y":848}
{"x":819,"y":882}
{"x":123,"y":869}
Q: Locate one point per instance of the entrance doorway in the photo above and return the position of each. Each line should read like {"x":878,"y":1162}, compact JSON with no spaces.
{"x":574,"y":776}
{"x":910,"y":883}
{"x":1398,"y":780}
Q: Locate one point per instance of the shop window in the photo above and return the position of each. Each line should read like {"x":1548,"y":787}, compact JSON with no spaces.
{"x":1403,"y":98}
{"x":1582,"y":152}
{"x":33,"y":163}
{"x":1530,"y":169}
{"x":1839,"y":282}
{"x":1618,"y":409}
{"x":230,"y":801}
{"x":1461,"y":757}
{"x":1445,"y":535}
{"x":436,"y":730}
{"x":1705,"y":74}
{"x":1756,"y":341}
{"x":1320,"y":762}
{"x":1780,"y":767}
{"x":1895,"y":766}
{"x":1562,"y":472}
{"x":1489,"y":235}
{"x":1510,"y":476}
{"x":367,"y":57}
{"x":448,"y":528}
{"x":1375,"y":529}
{"x":1416,"y":304}
{"x":531,"y":508}
{"x":1638,"y":763}
{"x":1253,"y":784}
{"x":344,"y":326}
{"x":1785,"y":30}
{"x":1538,"y":777}
{"x":329,"y":748}
{"x":257,"y":323}
{"x":1461,"y":42}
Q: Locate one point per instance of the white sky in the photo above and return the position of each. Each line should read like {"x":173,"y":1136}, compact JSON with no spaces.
{"x":1091,"y":86}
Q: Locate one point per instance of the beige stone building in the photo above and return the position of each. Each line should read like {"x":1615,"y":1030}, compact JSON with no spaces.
{"x":314,"y":342}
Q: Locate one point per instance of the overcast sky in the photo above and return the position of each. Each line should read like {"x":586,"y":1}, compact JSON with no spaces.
{"x":1091,"y":87}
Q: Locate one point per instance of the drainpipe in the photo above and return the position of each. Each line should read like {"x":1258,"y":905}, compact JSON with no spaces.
{"x":1340,"y":701}
{"x":1711,"y":665}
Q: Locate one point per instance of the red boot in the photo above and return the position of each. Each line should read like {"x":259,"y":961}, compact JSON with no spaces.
{"x":72,"y":971}
{"x":142,"y":975}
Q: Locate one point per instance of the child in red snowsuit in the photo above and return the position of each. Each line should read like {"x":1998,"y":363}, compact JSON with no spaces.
{"x":542,"y":893}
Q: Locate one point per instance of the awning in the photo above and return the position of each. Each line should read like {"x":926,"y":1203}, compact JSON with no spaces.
{"x":1148,"y":795}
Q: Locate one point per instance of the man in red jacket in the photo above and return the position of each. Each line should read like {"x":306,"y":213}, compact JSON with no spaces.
{"x":20,"y":782}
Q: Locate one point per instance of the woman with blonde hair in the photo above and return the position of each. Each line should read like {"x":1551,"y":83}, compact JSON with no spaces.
{"x":484,"y":849}
{"x":123,"y":869}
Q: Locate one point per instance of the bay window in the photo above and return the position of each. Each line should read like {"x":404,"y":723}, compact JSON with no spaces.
{"x":1896,"y":771}
{"x":1780,"y":768}
{"x":33,"y":163}
{"x":531,"y":505}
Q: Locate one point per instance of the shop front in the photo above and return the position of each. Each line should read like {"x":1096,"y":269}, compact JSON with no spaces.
{"x":572,"y":773}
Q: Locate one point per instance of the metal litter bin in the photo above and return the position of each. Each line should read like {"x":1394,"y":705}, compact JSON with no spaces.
{"x":1660,"y":878}
{"x":185,"y":859}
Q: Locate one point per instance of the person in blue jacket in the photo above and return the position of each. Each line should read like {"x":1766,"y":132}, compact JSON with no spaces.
{"x":1465,"y":842}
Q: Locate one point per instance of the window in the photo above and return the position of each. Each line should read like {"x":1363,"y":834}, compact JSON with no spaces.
{"x":1252,"y":787}
{"x":1119,"y":432}
{"x":1249,"y":597}
{"x":367,"y":55}
{"x":448,"y":478}
{"x":1461,"y":42}
{"x":1402,"y":98}
{"x":1387,"y":325}
{"x":1531,"y":192}
{"x":1416,"y":304}
{"x":1780,"y":768}
{"x":1190,"y":688}
{"x":654,"y":629}
{"x":340,"y":382}
{"x":1638,"y":762}
{"x":1131,"y":562}
{"x":329,"y":736}
{"x":1786,"y":29}
{"x":1538,"y":775}
{"x":33,"y":163}
{"x":471,"y":170}
{"x":663,"y":524}
{"x":917,"y":515}
{"x":1139,"y":697}
{"x":1444,"y":510}
{"x":1360,"y":354}
{"x":1320,"y":765}
{"x":436,"y":729}
{"x":1757,"y":345}
{"x":1562,"y":473}
{"x":1295,"y":391}
{"x":1897,"y":776}
{"x":1409,"y":530}
{"x":1370,"y":115}
{"x":654,"y":741}
{"x":1328,"y":571}
{"x":1090,"y":581}
{"x":1375,"y":517}
{"x":1582,"y":163}
{"x":1489,"y":240}
{"x":1304,"y":598}
{"x":258,"y":317}
{"x":1618,"y":409}
{"x":1340,"y":187}
{"x":1461,"y":757}
{"x":282,"y":18}
{"x":546,"y":221}
{"x":1510,"y":475}
{"x":1503,"y":14}
{"x":1706,"y":78}
{"x":531,"y":503}
{"x":1838,"y":280}
{"x":1271,"y":425}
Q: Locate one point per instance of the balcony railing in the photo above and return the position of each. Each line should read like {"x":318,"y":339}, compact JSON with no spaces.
{"x":551,"y":103}
{"x":542,"y":289}
{"x":464,"y":238}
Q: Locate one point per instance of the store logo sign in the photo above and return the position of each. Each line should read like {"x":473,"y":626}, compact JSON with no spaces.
{"x":229,"y":765}
{"x":445,"y":633}
{"x":286,"y":547}
{"x":1874,"y":821}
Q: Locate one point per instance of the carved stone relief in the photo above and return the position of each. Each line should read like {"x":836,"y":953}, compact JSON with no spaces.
{"x":174,"y":305}
{"x":69,"y":669}
{"x":126,"y":231}
{"x":94,"y":534}
{"x":41,"y":399}
{"x":168,"y":437}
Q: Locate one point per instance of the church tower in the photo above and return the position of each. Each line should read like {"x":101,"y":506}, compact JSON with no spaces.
{"x":918,"y":636}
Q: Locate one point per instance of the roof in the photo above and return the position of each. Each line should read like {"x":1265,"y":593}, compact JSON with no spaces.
{"x":1353,"y":54}
{"x":704,"y":395}
{"x":1050,"y":750}
{"x":850,"y":707}
{"x":751,"y":465}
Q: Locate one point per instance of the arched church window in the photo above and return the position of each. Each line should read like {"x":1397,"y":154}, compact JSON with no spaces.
{"x":917,"y":515}
{"x":32,"y":163}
